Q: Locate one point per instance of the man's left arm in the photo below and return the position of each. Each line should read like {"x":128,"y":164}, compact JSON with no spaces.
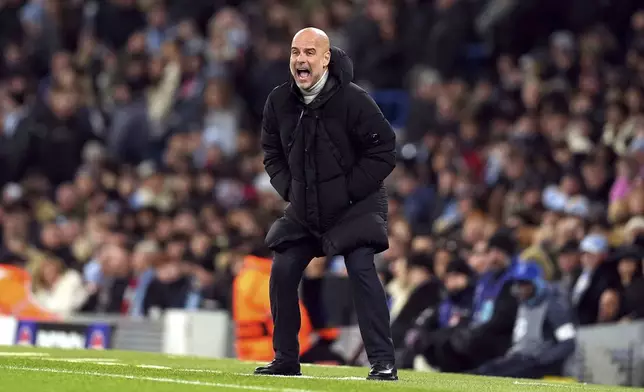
{"x":375,"y":147}
{"x":559,"y":318}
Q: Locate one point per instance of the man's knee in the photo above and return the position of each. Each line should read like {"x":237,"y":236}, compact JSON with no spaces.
{"x":289,"y":265}
{"x":360,"y":261}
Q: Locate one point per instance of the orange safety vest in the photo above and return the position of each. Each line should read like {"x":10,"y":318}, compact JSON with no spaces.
{"x":252,"y":313}
{"x":328,"y":333}
{"x":15,"y":296}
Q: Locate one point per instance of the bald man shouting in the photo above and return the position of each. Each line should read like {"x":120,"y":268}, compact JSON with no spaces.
{"x":327,"y":148}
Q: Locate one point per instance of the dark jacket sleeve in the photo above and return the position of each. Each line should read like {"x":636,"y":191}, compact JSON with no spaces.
{"x":503,"y":317}
{"x":375,"y":145}
{"x":491,"y":339}
{"x":428,"y":319}
{"x":423,"y":326}
{"x":22,"y":149}
{"x":559,"y":318}
{"x":275,"y":161}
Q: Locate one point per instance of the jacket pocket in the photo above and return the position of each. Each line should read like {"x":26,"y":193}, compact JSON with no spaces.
{"x":334,"y":197}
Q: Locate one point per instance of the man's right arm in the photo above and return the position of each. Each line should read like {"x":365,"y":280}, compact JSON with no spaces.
{"x":559,"y":317}
{"x":275,"y":162}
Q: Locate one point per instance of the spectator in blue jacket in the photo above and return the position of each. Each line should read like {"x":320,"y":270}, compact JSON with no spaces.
{"x":489,"y":333}
{"x":493,"y":284}
{"x":544,"y":332}
{"x":456,"y":307}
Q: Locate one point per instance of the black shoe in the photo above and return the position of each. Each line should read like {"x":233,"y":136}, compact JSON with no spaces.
{"x":383,"y":372}
{"x":280,"y":368}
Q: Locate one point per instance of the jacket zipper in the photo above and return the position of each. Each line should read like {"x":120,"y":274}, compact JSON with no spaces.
{"x":295,"y":132}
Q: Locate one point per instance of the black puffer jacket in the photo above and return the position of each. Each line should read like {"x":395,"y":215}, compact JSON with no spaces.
{"x":329,"y":159}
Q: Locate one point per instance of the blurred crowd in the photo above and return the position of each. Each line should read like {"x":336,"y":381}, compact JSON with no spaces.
{"x":132,"y":178}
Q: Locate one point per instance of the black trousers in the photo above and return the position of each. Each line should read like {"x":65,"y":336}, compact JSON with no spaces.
{"x":368,"y":297}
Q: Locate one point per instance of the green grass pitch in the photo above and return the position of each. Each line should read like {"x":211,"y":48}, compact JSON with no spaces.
{"x":42,"y":370}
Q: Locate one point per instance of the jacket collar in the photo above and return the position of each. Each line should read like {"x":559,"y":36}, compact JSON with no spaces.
{"x":340,"y":75}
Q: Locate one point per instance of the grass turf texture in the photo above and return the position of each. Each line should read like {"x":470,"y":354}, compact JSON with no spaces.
{"x":38,"y":370}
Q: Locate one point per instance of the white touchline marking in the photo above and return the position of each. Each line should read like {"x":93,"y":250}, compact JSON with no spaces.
{"x":305,"y":377}
{"x":351,"y":378}
{"x":89,"y":361}
{"x":211,"y":371}
{"x":153,"y":367}
{"x":154,"y":379}
{"x":253,"y":362}
{"x":329,"y":366}
{"x":113,"y":362}
{"x":80,"y":360}
{"x":549,"y":384}
{"x":11,"y":354}
{"x":108,"y":363}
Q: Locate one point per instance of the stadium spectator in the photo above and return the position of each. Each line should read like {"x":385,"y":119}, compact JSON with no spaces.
{"x":568,"y":263}
{"x":144,"y":256}
{"x":629,"y":266}
{"x":544,"y":332}
{"x":422,"y":292}
{"x":595,"y":295}
{"x":251,"y":313}
{"x":59,"y":289}
{"x":253,"y":324}
{"x":454,"y":310}
{"x":488,"y":334}
{"x":171,"y":287}
{"x":108,"y":291}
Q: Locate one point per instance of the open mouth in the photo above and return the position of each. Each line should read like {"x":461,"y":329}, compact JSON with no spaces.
{"x":303,"y":74}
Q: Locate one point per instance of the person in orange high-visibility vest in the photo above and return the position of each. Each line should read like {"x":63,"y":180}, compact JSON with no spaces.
{"x":312,"y":297}
{"x":16,"y":299}
{"x":252,"y":313}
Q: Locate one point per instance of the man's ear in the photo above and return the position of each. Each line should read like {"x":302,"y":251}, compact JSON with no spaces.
{"x":327,"y":58}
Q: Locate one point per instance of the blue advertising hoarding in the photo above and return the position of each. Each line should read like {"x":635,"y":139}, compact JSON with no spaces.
{"x":96,"y":336}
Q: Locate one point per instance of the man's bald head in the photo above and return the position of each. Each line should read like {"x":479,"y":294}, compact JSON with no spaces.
{"x":310,"y":56}
{"x":313,"y":35}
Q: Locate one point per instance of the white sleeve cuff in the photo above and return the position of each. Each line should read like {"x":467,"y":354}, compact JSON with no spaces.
{"x":565,"y":332}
